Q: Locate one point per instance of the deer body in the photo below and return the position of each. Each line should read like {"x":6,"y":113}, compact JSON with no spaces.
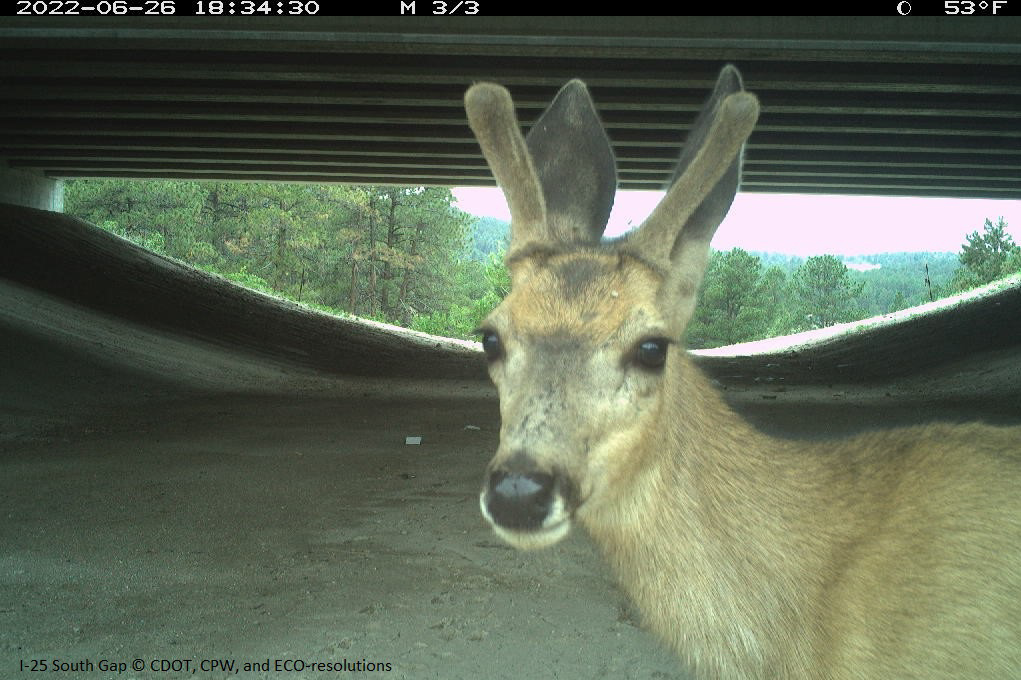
{"x":890,"y":555}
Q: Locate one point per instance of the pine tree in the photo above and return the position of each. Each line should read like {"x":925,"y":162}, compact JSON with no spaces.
{"x":987,"y":256}
{"x":825,"y":294}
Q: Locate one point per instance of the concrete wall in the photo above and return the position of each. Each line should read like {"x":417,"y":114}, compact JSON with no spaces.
{"x":29,"y":189}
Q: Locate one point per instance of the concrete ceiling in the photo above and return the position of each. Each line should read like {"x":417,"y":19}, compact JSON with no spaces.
{"x":923,"y":106}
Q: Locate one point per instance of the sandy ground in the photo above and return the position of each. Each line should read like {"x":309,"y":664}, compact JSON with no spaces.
{"x":148,"y":514}
{"x":249,"y":529}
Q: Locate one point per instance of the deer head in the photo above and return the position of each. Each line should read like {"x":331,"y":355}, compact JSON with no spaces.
{"x":586,"y":347}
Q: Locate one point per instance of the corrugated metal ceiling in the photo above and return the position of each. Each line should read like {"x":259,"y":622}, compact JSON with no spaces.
{"x":923,"y":106}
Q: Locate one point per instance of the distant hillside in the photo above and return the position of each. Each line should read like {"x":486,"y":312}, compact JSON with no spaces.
{"x":892,"y":280}
{"x":905,"y":279}
{"x":491,"y":236}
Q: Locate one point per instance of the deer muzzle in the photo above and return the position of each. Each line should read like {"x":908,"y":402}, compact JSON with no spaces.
{"x":528,"y":509}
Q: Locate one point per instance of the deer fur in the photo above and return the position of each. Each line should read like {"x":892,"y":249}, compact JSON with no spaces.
{"x":894,"y":554}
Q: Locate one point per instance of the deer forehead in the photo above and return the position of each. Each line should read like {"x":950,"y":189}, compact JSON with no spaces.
{"x":588,"y":296}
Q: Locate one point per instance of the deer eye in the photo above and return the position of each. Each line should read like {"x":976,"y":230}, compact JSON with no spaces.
{"x":651,"y":353}
{"x":491,"y":345}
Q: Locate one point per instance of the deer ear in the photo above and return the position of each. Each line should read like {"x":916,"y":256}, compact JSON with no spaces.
{"x":560,"y":183}
{"x":491,"y":117}
{"x":677,"y":233}
{"x":576,"y":167}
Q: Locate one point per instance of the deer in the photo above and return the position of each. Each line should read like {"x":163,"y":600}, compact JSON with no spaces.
{"x":891,"y":554}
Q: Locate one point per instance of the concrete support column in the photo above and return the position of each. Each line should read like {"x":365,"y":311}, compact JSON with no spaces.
{"x":22,"y":187}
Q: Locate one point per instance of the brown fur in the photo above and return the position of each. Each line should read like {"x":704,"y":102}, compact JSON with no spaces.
{"x":891,"y":555}
{"x":895,"y":554}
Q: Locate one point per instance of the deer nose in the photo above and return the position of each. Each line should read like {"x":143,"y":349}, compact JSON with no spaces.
{"x":519,"y":500}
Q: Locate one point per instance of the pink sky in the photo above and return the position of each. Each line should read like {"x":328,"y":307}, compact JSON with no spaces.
{"x":812,"y":224}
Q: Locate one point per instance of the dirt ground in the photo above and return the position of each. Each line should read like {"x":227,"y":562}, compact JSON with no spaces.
{"x":257,"y":528}
{"x":281,"y":520}
{"x":248,"y":529}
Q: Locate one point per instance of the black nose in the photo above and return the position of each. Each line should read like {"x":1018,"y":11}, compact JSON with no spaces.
{"x":519,"y":501}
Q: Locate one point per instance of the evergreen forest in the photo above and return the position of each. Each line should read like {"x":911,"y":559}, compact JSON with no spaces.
{"x":408,"y":256}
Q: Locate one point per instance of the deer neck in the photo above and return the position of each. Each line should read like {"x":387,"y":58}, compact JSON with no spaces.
{"x":704,"y":537}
